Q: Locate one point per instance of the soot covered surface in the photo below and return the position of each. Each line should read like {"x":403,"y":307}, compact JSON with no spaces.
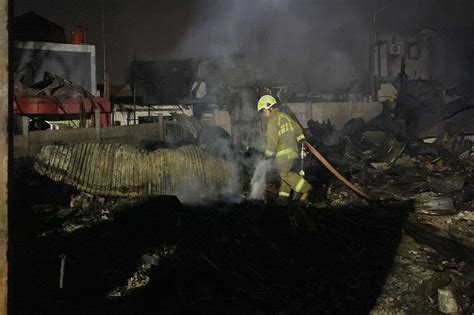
{"x":245,"y":258}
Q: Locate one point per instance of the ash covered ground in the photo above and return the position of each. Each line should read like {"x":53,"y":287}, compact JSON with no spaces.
{"x":157,"y":255}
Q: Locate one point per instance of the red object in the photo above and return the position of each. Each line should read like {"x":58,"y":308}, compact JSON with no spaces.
{"x":338,"y":175}
{"x":78,"y":37}
{"x":42,"y":106}
{"x":66,"y":108}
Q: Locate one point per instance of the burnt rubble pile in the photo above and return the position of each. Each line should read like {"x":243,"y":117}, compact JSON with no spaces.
{"x":418,"y":151}
{"x":433,"y":110}
{"x":51,"y":85}
{"x":160,"y":256}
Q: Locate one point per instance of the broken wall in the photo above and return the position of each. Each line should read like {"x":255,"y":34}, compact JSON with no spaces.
{"x":76,"y":63}
{"x":337,"y":112}
{"x":423,"y":54}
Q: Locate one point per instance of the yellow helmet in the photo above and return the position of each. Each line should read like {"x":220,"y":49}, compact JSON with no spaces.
{"x":265,"y":102}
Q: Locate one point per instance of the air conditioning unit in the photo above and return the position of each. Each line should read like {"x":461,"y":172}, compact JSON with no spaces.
{"x":396,"y":49}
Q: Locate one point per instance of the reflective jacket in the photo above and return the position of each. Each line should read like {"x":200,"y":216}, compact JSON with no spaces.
{"x":283,"y":135}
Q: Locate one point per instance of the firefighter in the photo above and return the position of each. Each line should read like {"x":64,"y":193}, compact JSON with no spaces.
{"x":284,"y":136}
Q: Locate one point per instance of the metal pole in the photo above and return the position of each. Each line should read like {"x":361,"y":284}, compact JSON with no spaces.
{"x":5,"y":140}
{"x":98,"y":137}
{"x":379,"y":56}
{"x":382,"y":7}
{"x":371,"y":65}
{"x":134,"y":87}
{"x":103,"y":39}
{"x":61,"y":270}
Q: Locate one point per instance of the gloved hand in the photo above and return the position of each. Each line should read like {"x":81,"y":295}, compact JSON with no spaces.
{"x":303,"y":143}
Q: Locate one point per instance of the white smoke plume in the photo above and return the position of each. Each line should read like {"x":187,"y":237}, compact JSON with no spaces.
{"x":287,"y":41}
{"x":259,"y":179}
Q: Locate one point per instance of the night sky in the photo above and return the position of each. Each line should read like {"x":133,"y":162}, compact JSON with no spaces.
{"x":323,"y":42}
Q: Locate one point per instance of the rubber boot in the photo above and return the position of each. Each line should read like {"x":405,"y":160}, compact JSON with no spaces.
{"x":304,"y":197}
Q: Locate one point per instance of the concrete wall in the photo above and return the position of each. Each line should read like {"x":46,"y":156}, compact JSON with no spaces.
{"x":3,"y":155}
{"x":29,"y":144}
{"x":337,"y":112}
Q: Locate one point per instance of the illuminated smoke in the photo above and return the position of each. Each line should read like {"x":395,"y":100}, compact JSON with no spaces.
{"x":301,"y":43}
{"x":259,"y":178}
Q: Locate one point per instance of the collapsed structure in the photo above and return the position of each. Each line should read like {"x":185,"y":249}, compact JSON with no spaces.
{"x":118,"y":170}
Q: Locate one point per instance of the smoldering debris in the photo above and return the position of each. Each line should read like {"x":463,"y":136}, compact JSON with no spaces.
{"x":227,"y":244}
{"x":263,"y":257}
{"x":390,"y":163}
{"x":217,"y":141}
{"x":258,"y":258}
{"x":401,"y":155}
{"x":433,"y":204}
{"x":432,"y":109}
{"x":117,"y":170}
{"x":191,"y":124}
{"x":51,"y":85}
{"x":141,"y":277}
{"x":158,"y":254}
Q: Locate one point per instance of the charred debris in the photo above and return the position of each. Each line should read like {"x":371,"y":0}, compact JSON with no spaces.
{"x":407,"y":250}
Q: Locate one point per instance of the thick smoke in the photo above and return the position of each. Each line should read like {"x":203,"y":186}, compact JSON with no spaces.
{"x":319,"y":46}
{"x":190,"y":190}
{"x":305,"y":45}
{"x":245,"y":120}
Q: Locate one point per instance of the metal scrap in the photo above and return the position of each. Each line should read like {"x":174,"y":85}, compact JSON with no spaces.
{"x":434,"y":204}
{"x":51,"y":85}
{"x":119,"y":170}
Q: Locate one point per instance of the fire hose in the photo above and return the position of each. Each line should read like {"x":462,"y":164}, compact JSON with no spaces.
{"x":336,"y":172}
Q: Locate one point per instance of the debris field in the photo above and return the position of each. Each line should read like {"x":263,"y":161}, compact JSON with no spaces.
{"x":407,"y":250}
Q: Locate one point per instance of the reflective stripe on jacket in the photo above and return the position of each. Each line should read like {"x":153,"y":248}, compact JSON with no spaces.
{"x":283,"y":135}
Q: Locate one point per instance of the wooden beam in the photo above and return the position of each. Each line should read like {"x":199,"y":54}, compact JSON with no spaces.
{"x":4,"y":150}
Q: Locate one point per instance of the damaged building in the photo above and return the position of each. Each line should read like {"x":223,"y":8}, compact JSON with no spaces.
{"x":284,"y":156}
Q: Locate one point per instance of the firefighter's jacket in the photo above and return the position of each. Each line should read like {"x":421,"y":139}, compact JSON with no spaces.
{"x":283,"y":135}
